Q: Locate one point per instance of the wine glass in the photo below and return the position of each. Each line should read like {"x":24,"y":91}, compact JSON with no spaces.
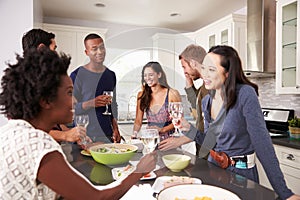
{"x":83,"y":121}
{"x":150,"y":138}
{"x":176,"y":112}
{"x":110,"y":94}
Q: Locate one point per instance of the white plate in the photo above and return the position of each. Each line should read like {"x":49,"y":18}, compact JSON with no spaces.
{"x":134,"y":163}
{"x":159,"y":183}
{"x":120,"y":173}
{"x":152,"y":175}
{"x":85,"y":153}
{"x":193,"y":190}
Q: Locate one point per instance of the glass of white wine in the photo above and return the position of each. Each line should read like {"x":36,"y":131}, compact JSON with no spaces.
{"x":83,"y":121}
{"x":150,"y":139}
{"x":176,"y":112}
{"x":110,"y":94}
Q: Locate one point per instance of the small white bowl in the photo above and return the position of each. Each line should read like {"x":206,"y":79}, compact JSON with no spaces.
{"x":176,"y":162}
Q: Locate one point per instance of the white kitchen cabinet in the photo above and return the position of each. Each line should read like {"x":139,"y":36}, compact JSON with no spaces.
{"x":287,"y":47}
{"x":166,"y":50}
{"x":69,"y":40}
{"x":289,"y":160}
{"x":230,"y":30}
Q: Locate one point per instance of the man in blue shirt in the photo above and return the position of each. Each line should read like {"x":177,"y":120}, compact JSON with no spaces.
{"x":89,"y":82}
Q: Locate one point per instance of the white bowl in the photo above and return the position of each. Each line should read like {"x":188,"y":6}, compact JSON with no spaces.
{"x":176,"y":162}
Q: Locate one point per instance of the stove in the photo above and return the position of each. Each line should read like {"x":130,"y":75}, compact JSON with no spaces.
{"x":277,"y":121}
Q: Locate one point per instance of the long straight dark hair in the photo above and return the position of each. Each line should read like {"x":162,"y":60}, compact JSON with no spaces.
{"x":231,"y":62}
{"x":146,"y":95}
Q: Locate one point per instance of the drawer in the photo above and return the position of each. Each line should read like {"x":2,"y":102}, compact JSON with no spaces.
{"x":292,"y":178}
{"x":288,"y":156}
{"x":291,"y":171}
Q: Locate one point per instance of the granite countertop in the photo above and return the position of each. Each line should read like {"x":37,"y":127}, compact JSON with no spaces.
{"x":208,"y":173}
{"x":287,"y":142}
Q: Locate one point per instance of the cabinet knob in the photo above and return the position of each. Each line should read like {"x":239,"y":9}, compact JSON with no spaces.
{"x":290,"y":157}
{"x":297,"y":86}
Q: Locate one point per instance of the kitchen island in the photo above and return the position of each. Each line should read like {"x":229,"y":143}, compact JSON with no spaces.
{"x":210,"y":174}
{"x":287,"y":142}
{"x":288,"y":153}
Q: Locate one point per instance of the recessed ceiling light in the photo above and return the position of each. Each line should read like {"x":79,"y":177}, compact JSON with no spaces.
{"x":100,"y":5}
{"x":175,"y":14}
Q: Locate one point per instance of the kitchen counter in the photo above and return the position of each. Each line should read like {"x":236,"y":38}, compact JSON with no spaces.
{"x":210,"y":174}
{"x":286,"y":141}
{"x":129,"y":122}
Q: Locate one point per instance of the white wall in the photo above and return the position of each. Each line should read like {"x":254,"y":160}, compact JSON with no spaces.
{"x":16,"y":18}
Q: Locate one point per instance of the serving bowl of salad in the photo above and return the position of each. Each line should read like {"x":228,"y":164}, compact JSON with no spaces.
{"x":113,"y":154}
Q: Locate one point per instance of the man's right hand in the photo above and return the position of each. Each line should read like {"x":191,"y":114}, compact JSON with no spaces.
{"x":99,"y":101}
{"x":188,"y":81}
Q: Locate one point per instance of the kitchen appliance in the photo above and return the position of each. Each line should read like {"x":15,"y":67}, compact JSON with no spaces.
{"x":261,"y":38}
{"x":277,"y":121}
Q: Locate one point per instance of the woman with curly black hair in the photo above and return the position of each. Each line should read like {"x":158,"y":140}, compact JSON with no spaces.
{"x":36,"y":95}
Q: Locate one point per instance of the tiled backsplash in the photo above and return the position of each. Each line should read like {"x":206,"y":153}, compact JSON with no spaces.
{"x":269,"y":99}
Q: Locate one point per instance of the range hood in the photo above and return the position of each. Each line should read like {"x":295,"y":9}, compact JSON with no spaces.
{"x":261,"y":38}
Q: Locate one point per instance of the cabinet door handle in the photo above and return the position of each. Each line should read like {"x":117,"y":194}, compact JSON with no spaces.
{"x":290,"y":157}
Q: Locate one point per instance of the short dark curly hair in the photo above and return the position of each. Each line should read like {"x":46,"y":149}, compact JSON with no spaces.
{"x":35,"y":37}
{"x":36,"y":76}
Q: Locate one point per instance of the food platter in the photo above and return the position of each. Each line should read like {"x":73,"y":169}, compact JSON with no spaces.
{"x":160,"y":181}
{"x":193,"y":190}
{"x":123,"y":172}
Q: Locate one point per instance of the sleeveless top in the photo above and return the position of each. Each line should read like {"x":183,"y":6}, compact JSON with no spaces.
{"x":22,"y":148}
{"x":161,"y":118}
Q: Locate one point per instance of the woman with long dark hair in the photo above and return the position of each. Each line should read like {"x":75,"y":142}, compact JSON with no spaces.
{"x":153,"y":100}
{"x":235,"y":131}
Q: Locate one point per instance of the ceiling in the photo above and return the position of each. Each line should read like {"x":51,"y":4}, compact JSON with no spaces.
{"x":193,"y":14}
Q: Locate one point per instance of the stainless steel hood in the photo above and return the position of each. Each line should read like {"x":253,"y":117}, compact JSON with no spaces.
{"x":261,"y":38}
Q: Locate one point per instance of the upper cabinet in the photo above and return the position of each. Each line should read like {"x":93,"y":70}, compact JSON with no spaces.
{"x":287,"y":47}
{"x":166,"y":50}
{"x":69,"y":39}
{"x":230,"y":30}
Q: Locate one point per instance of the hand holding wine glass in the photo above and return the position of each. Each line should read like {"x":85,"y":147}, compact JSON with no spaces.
{"x":176,"y":112}
{"x":82,"y":121}
{"x":109,"y":95}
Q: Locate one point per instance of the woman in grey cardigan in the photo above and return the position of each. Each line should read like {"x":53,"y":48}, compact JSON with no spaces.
{"x":234,"y":127}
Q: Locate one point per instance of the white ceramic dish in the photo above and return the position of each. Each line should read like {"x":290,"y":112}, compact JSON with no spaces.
{"x":85,"y":153}
{"x":194,"y":190}
{"x":121,"y":173}
{"x":159,"y":183}
{"x":149,"y":176}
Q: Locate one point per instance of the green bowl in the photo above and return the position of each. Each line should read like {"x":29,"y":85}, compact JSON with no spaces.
{"x":176,"y":162}
{"x":101,"y":174}
{"x":112,"y":158}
